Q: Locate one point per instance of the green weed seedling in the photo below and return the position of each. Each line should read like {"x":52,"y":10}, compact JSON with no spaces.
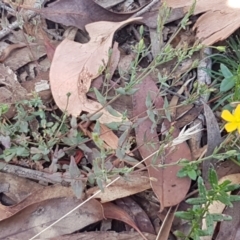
{"x":200,"y":209}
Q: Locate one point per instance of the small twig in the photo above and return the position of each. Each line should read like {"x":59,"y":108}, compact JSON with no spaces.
{"x":4,"y":32}
{"x":175,"y":93}
{"x":32,"y":174}
{"x":145,"y":9}
{"x":8,"y":9}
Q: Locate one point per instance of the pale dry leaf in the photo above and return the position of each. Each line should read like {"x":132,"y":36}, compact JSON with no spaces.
{"x":33,"y":219}
{"x":216,"y":206}
{"x":208,"y":29}
{"x":75,"y":65}
{"x":134,"y":183}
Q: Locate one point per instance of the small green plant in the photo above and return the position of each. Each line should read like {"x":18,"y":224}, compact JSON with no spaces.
{"x":34,"y":133}
{"x":200,"y":209}
{"x":228,"y":76}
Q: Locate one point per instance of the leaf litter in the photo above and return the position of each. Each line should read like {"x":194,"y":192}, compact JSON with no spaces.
{"x":79,"y":74}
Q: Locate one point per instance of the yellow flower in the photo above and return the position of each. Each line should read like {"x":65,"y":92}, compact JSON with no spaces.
{"x":233,"y":119}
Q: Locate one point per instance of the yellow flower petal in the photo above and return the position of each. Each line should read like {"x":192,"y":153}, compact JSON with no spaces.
{"x":230,"y":127}
{"x":227,"y":116}
{"x":236,"y":113}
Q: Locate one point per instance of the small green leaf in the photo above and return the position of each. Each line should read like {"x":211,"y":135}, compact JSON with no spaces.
{"x":131,"y":91}
{"x":100,"y":184}
{"x":196,"y":201}
{"x":227,"y":84}
{"x":192,"y":174}
{"x":73,"y":168}
{"x":212,"y":176}
{"x":201,"y":188}
{"x":209,"y":223}
{"x":123,"y":138}
{"x":95,"y":116}
{"x":220,"y":217}
{"x":232,"y":187}
{"x":182,"y":173}
{"x":225,"y":71}
{"x":99,"y":96}
{"x":131,"y":159}
{"x":120,"y":153}
{"x":184,"y":215}
{"x":234,"y":198}
{"x":36,"y":157}
{"x":97,"y":128}
{"x":224,"y":199}
{"x":77,"y":187}
{"x":112,"y":111}
{"x":121,"y":91}
{"x":148,"y":102}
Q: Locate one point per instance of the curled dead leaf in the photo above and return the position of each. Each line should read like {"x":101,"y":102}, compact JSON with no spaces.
{"x":75,"y":65}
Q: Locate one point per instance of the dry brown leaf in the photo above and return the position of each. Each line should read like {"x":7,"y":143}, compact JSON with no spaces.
{"x":166,"y":227}
{"x":137,"y":213}
{"x":55,"y":191}
{"x":33,"y":219}
{"x":134,"y":183}
{"x":214,"y":139}
{"x":208,"y":29}
{"x":75,"y":65}
{"x":112,"y":211}
{"x":218,"y":207}
{"x":18,"y":188}
{"x":22,"y":56}
{"x":78,"y":13}
{"x":110,"y":235}
{"x":188,"y":116}
{"x":169,"y":189}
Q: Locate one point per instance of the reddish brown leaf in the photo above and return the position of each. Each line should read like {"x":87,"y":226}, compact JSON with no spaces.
{"x":78,"y":156}
{"x":136,"y":212}
{"x":112,"y":211}
{"x":78,"y":13}
{"x":169,"y":189}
